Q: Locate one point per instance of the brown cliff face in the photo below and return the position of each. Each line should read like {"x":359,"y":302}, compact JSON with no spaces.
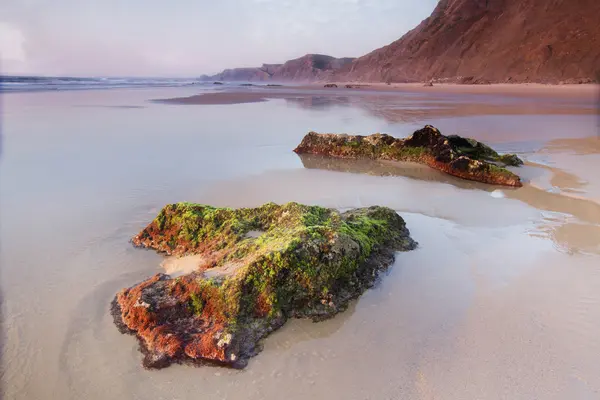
{"x":240,"y":74}
{"x":471,"y":41}
{"x":309,"y":67}
{"x":306,"y":68}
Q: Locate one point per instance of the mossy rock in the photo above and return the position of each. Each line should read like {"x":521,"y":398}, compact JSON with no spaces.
{"x":480,"y":151}
{"x":461,"y":157}
{"x":258,"y":267}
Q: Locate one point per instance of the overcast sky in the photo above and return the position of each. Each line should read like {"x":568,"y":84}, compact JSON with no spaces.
{"x":191,"y":37}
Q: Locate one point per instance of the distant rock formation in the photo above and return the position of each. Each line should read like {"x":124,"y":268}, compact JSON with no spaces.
{"x":310,"y":67}
{"x":484,"y":41}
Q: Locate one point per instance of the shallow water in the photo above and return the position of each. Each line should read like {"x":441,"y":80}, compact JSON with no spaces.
{"x":500,"y":300}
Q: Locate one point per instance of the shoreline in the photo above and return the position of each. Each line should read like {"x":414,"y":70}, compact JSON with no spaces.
{"x":577,"y":90}
{"x":261,"y":93}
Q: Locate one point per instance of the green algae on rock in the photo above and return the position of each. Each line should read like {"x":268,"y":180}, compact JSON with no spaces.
{"x":461,"y":157}
{"x":259,"y":266}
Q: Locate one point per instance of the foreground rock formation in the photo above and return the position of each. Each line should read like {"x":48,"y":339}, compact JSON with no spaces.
{"x":483,"y":41}
{"x":461,"y":157}
{"x":258,"y":267}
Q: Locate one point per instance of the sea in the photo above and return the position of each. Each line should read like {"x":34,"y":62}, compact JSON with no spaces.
{"x":16,"y":83}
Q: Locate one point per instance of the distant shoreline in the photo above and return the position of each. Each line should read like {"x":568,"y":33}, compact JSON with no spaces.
{"x":260,"y":93}
{"x":585,"y":89}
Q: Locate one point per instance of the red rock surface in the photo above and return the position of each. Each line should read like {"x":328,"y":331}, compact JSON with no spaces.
{"x":480,"y":41}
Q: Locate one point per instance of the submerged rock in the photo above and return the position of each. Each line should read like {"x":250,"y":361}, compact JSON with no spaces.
{"x":462,"y":157}
{"x":258,"y":267}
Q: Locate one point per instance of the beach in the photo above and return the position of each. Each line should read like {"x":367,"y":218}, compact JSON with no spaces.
{"x":258,"y":91}
{"x":499,"y":301}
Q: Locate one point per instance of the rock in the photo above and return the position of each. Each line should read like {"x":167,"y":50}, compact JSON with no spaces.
{"x":428,"y":84}
{"x":510,"y":159}
{"x":471,"y":80}
{"x":462,"y":157}
{"x":307,"y":262}
{"x":217,"y":83}
{"x":309,"y":67}
{"x":330,"y":85}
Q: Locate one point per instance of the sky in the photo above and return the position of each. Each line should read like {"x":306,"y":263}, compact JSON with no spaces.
{"x":191,"y":37}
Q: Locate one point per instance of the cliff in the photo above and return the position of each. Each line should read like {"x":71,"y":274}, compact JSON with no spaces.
{"x":306,"y":68}
{"x":479,"y":41}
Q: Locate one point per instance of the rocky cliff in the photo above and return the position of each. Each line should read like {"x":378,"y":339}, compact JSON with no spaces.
{"x":307,"y":68}
{"x":478,"y":41}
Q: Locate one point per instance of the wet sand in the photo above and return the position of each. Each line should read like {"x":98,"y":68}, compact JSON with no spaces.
{"x":588,"y":93}
{"x":500,"y":300}
{"x":218,"y":98}
{"x":410,"y":103}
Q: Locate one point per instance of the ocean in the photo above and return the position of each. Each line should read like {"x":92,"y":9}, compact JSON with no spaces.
{"x":11,"y":83}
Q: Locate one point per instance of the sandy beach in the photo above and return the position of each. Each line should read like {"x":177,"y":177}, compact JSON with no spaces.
{"x":259,"y":92}
{"x":499,"y":301}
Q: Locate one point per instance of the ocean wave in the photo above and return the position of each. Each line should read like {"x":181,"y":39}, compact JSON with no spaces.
{"x":16,"y":83}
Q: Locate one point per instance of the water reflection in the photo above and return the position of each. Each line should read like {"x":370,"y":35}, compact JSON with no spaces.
{"x":413,"y":107}
{"x":126,"y":107}
{"x":578,"y":232}
{"x":389,"y":168}
{"x":577,"y":146}
{"x":560,"y":180}
{"x":446,"y":109}
{"x":302,"y":330}
{"x":570,"y":237}
{"x":318,"y":102}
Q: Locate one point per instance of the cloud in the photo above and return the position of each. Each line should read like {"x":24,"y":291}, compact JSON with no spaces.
{"x":12,"y":50}
{"x":11,"y":43}
{"x":148,"y":37}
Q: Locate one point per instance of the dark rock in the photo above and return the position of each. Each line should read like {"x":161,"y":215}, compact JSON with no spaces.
{"x":462,"y":157}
